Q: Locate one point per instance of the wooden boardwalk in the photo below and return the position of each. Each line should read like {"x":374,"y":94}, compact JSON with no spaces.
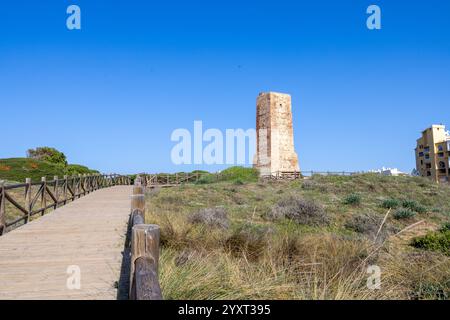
{"x":88,"y":234}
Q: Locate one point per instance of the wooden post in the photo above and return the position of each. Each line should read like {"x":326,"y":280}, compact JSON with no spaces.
{"x":65,"y":188}
{"x":138,"y":205}
{"x":2,"y":208}
{"x":80,"y":185}
{"x":43,"y":197}
{"x":28,"y":199}
{"x":144,"y":283}
{"x":56,"y":191}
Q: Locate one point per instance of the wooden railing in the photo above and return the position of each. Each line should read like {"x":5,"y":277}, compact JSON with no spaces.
{"x":30,"y":199}
{"x":290,"y":175}
{"x":144,"y":283}
{"x":162,"y":179}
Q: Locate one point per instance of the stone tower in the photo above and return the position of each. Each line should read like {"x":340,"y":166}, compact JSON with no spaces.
{"x":274,"y":134}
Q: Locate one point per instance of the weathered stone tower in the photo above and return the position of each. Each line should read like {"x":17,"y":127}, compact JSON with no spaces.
{"x":274,"y":134}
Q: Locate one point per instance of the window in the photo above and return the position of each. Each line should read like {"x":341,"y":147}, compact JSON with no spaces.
{"x":420,"y":154}
{"x":440,"y":154}
{"x":427,"y":149}
{"x":441,"y":164}
{"x":427,"y":156}
{"x":428,"y":166}
{"x":421,"y":162}
{"x":441,"y":148}
{"x":428,"y":173}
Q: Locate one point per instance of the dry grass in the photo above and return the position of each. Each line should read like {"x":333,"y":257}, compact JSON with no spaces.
{"x":260,"y":258}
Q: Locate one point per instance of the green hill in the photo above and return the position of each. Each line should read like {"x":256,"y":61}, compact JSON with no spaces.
{"x":17,"y":169}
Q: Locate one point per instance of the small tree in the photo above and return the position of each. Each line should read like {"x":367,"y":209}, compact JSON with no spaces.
{"x":48,"y":154}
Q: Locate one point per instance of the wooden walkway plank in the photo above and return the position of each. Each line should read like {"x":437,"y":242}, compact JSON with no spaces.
{"x":88,"y":233}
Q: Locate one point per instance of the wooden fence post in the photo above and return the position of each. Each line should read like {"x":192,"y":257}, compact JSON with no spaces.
{"x":138,"y":204}
{"x":43,"y":197}
{"x":65,"y":188}
{"x":28,"y":199}
{"x":144,"y":283}
{"x":2,"y":208}
{"x":56,"y":191}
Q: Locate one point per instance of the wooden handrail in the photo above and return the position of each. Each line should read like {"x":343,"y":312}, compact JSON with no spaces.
{"x":144,"y":283}
{"x":57,"y":192}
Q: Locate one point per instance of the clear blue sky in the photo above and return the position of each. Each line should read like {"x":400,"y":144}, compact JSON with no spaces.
{"x":110,"y":95}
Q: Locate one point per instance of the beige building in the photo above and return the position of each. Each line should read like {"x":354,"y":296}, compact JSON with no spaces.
{"x":274,"y":135}
{"x":432,"y":154}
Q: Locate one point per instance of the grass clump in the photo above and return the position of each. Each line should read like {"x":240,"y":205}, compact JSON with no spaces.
{"x":212,"y":217}
{"x":248,"y":240}
{"x":403,"y":214}
{"x":390,"y":204}
{"x":300,"y":210}
{"x":353,"y":199}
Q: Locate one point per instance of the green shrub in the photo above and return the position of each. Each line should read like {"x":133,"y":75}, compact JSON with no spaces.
{"x":352,"y":199}
{"x":431,"y":291}
{"x":75,"y":169}
{"x":240,"y":173}
{"x":206,"y":179}
{"x":403,"y":214}
{"x":47,"y":154}
{"x":435,"y":241}
{"x":390,"y":204}
{"x":414,"y":206}
{"x":445,"y":227}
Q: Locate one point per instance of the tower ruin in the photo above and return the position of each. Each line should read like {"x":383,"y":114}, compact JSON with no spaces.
{"x":274,"y":134}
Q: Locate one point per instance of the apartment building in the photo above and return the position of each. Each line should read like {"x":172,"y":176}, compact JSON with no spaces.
{"x":433,"y":154}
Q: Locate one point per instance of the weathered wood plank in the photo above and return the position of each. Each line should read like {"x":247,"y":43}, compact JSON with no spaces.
{"x":89,"y":233}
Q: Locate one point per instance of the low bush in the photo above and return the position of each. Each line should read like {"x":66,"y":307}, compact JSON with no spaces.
{"x":435,"y":241}
{"x":206,"y":179}
{"x":239,"y":173}
{"x":299,"y":210}
{"x":445,"y":227}
{"x":403,"y":214}
{"x":353,"y":199}
{"x":368,"y":225}
{"x":390,"y":204}
{"x":212,"y":217}
{"x":413,"y":206}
